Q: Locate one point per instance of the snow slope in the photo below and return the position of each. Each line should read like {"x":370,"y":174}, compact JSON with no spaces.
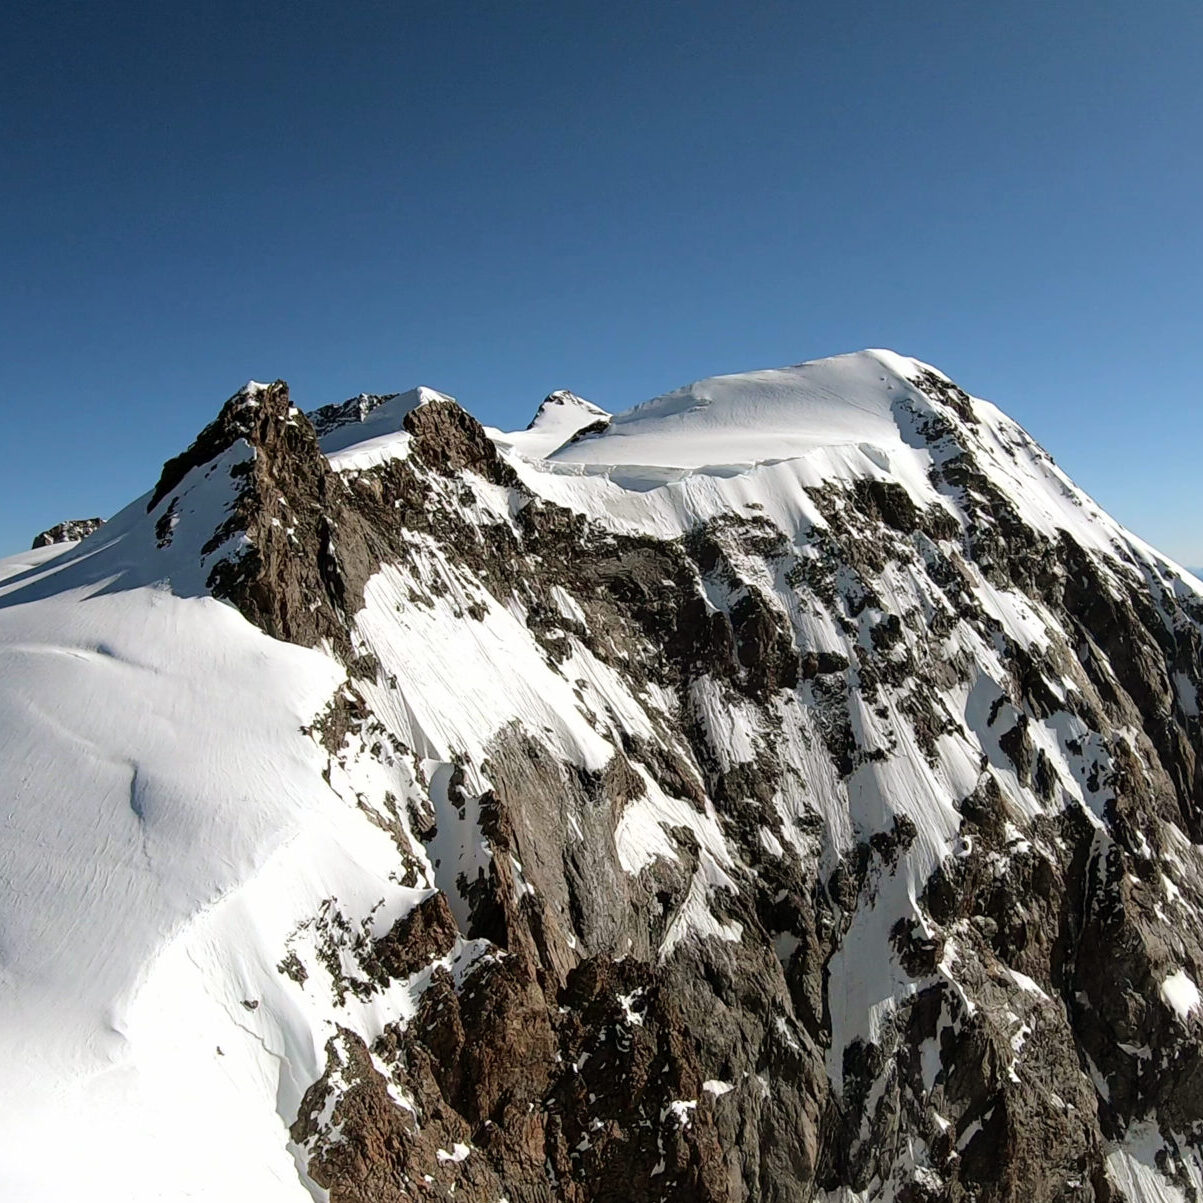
{"x":561,"y":416}
{"x":165,"y":825}
{"x":754,"y":417}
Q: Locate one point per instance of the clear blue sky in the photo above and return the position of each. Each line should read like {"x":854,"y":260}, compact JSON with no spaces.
{"x":501,"y":199}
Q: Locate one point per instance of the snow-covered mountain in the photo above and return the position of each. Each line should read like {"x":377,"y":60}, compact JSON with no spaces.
{"x":787,"y":789}
{"x":562,"y":418}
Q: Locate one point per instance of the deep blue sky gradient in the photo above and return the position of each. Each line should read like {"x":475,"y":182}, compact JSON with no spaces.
{"x":501,"y":199}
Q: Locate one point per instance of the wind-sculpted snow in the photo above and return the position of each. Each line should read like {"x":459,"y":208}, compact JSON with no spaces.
{"x":153,"y":773}
{"x":786,"y":789}
{"x":758,"y":416}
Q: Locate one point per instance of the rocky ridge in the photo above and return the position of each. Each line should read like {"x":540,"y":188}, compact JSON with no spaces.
{"x":70,"y":531}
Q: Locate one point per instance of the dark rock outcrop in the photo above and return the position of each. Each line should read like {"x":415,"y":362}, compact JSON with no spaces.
{"x":68,"y":532}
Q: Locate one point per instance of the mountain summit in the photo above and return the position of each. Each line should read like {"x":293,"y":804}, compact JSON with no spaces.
{"x":562,"y":418}
{"x":787,"y":789}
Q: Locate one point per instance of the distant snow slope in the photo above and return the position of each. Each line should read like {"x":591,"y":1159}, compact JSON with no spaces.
{"x":561,"y":416}
{"x":755,"y":417}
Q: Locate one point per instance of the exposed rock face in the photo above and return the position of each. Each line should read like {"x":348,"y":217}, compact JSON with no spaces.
{"x":357,"y":409}
{"x":68,"y":532}
{"x":847,"y":850}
